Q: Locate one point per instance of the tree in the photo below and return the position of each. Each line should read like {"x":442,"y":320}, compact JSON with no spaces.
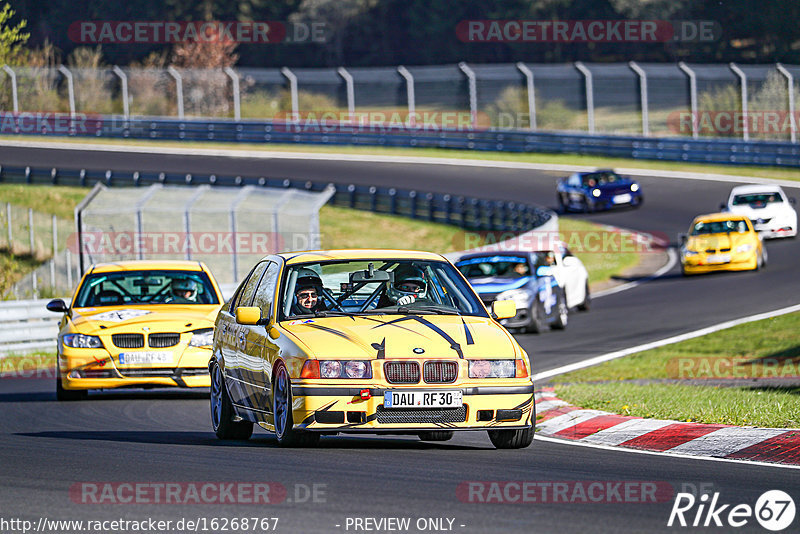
{"x":12,"y":37}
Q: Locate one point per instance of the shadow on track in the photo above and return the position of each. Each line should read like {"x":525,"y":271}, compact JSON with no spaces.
{"x":207,"y":439}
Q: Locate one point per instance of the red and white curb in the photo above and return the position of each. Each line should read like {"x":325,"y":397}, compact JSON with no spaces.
{"x":558,"y":419}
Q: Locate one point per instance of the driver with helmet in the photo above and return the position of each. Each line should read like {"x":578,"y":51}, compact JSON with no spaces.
{"x":307,"y":293}
{"x":182,"y":291}
{"x":409,"y":286}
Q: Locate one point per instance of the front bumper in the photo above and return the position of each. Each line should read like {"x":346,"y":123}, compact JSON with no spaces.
{"x":324,"y":408}
{"x":738,"y":262}
{"x":98,"y":369}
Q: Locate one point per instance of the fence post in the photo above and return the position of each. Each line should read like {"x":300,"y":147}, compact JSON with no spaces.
{"x":55,"y":251}
{"x":743,"y":80}
{"x":692,"y":96}
{"x":642,"y":96}
{"x":589,"y":93}
{"x":238,"y":199}
{"x":14,"y":97}
{"x":187,"y":223}
{"x":70,"y":90}
{"x":68,"y":257}
{"x":790,"y":87}
{"x":412,"y":102}
{"x":178,"y":89}
{"x":351,"y":96}
{"x":293,"y":90}
{"x":237,"y":102}
{"x":473,"y":93}
{"x":531,"y":94}
{"x":123,"y":78}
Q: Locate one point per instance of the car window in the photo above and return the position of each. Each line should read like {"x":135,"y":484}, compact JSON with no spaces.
{"x":738,"y":226}
{"x":757,"y":199}
{"x":495,"y":266}
{"x":249,"y":290}
{"x":146,"y":287}
{"x":574,"y":180}
{"x":265,"y":294}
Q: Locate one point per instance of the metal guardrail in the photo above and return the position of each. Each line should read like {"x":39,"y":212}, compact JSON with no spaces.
{"x":26,"y":325}
{"x":467,"y":212}
{"x":719,"y":151}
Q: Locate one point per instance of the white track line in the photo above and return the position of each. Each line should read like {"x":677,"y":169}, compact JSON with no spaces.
{"x":656,"y":453}
{"x":660,"y":343}
{"x":267,"y":154}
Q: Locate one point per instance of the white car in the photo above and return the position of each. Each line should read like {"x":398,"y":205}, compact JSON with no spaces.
{"x":768,"y":208}
{"x":571,"y":275}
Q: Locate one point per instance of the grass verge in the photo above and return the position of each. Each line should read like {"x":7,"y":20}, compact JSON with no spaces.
{"x":675,"y":376}
{"x":777,"y":173}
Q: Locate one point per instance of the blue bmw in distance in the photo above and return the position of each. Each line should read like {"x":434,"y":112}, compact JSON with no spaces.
{"x":597,"y":190}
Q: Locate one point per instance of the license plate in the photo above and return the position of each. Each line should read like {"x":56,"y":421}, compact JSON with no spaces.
{"x":719,"y":258}
{"x":135,"y":358}
{"x":422,"y":399}
{"x":622,"y":199}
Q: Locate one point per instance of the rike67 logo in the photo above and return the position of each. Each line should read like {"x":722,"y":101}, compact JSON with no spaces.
{"x":774,"y":510}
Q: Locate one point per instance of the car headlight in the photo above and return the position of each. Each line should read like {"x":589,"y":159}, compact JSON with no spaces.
{"x":634,"y":187}
{"x":492,"y":368}
{"x":595,"y":192}
{"x":82,"y":341}
{"x":520,"y":297}
{"x":687,"y":252}
{"x":747,"y":247}
{"x":336,"y":369}
{"x":203,"y":337}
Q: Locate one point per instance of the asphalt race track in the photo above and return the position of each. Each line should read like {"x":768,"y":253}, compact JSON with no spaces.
{"x":46,"y":447}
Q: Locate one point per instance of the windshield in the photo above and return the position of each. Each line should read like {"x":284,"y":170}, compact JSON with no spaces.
{"x":600,"y":178}
{"x":758,"y":199}
{"x":495,"y":266}
{"x":146,"y":287}
{"x":377,"y":286}
{"x":720,"y":227}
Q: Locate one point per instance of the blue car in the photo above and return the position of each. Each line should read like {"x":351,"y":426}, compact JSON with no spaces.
{"x":524,"y":277}
{"x":597,"y":190}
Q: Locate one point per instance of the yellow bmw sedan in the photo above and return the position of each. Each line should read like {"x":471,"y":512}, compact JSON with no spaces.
{"x":722,"y":242}
{"x":139,"y":324}
{"x":366,"y":341}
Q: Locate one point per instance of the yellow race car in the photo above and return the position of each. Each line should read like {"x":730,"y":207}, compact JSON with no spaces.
{"x":137,"y":323}
{"x":721,"y":242}
{"x":377,"y":341}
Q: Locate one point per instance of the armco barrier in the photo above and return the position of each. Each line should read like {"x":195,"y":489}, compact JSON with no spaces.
{"x":467,"y":212}
{"x":719,"y":151}
{"x":26,"y":325}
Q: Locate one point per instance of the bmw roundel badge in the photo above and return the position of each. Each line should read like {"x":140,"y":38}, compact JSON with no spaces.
{"x":419,"y":350}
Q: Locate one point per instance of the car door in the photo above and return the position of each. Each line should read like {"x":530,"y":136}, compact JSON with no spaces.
{"x":236,"y":370}
{"x":573,"y":276}
{"x":264,"y":350}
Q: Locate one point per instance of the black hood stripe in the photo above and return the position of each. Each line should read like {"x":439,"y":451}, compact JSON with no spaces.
{"x":453,"y":344}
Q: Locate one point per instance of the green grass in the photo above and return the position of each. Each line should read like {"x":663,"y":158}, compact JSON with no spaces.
{"x":763,"y":349}
{"x":740,"y":351}
{"x":778,"y":173}
{"x":773,"y":408}
{"x":582,"y":237}
{"x":51,"y":199}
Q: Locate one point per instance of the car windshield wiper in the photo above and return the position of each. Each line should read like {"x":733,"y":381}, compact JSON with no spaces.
{"x":420,"y":310}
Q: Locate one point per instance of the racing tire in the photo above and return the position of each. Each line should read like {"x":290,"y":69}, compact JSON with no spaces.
{"x":588,"y":205}
{"x":282,"y":413}
{"x":761,"y":260}
{"x":68,"y":395}
{"x":587,"y":299}
{"x":222,"y":412}
{"x":562,"y":205}
{"x":562,"y":314}
{"x":536,"y":325}
{"x":436,"y":435}
{"x":511,"y":439}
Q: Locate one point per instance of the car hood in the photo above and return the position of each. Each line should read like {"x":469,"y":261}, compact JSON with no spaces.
{"x":402,"y":336}
{"x":717,"y":241}
{"x":496,"y":284}
{"x":164,"y":317}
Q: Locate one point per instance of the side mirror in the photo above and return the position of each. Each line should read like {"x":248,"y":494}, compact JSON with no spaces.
{"x":569,"y":261}
{"x":682,"y":238}
{"x":723,"y":207}
{"x":57,"y":306}
{"x":250,"y":315}
{"x":504,"y":309}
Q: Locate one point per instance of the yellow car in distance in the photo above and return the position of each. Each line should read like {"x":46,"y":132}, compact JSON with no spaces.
{"x":139,"y":324}
{"x":366,"y":341}
{"x":722,"y":242}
